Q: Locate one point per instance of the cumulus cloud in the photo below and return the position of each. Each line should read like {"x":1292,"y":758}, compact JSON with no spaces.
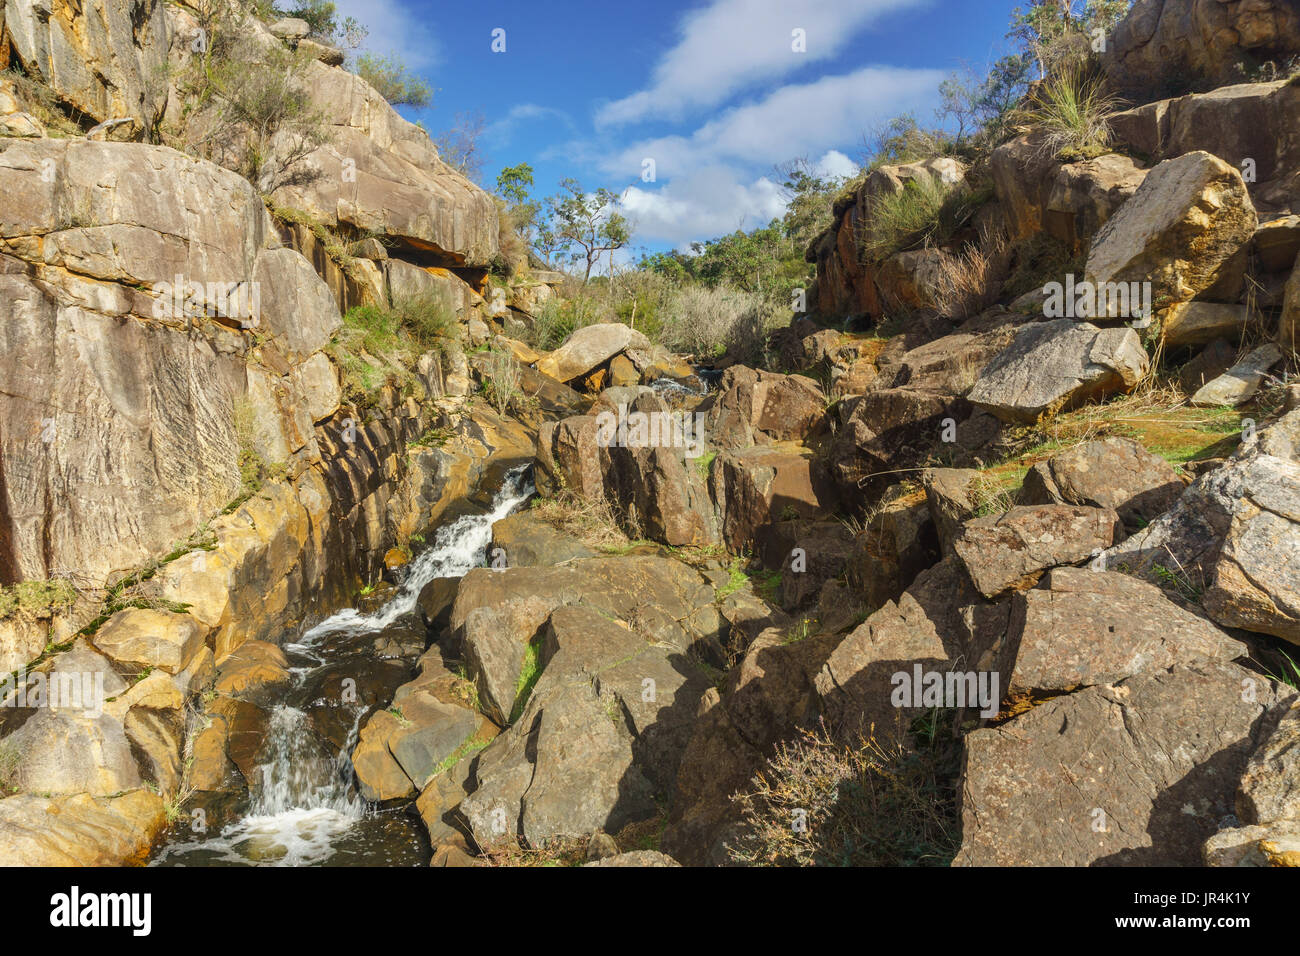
{"x":704,"y":203}
{"x":731,"y":44}
{"x":799,"y":119}
{"x":395,"y":29}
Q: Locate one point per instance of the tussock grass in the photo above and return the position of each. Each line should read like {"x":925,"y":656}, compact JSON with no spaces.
{"x":867,"y":803}
{"x":1072,"y":111}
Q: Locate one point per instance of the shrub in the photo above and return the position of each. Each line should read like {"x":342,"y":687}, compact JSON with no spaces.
{"x":378,"y":346}
{"x":866,"y":804}
{"x":259,"y":97}
{"x":708,"y":321}
{"x":502,"y":379}
{"x":427,"y":320}
{"x":969,"y":281}
{"x":1072,"y":111}
{"x":393,"y":81}
{"x":927,"y":211}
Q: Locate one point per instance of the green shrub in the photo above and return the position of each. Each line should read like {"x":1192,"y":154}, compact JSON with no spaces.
{"x":898,"y":221}
{"x":32,"y":599}
{"x":708,"y":321}
{"x":393,"y":81}
{"x":427,"y":320}
{"x":1072,"y":111}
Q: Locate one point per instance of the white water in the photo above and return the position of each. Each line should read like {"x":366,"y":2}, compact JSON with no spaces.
{"x":303,"y":801}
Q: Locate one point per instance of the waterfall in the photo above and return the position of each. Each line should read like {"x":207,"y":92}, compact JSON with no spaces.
{"x":302,"y":800}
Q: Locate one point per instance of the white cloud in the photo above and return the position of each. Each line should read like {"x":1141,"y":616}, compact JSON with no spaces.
{"x":705,"y":203}
{"x":835,"y":165}
{"x":796,"y":120}
{"x":396,"y":28}
{"x":501,"y":130}
{"x":732,"y":44}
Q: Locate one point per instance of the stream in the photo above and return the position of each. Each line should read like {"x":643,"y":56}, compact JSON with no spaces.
{"x":303,"y":807}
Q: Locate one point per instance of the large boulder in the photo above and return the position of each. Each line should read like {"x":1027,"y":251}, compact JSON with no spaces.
{"x":1179,"y":231}
{"x":761,"y":485}
{"x":589,"y":347}
{"x":1199,"y":41}
{"x":1058,"y":365}
{"x":1012,"y":550}
{"x":1116,"y":473}
{"x":1082,"y":627}
{"x":1116,"y":774}
{"x":80,"y":830}
{"x":1233,"y":533}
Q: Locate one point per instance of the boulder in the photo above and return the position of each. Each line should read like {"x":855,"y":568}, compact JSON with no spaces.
{"x":1273,"y":844}
{"x":1012,"y":550}
{"x":637,"y":858}
{"x":761,"y":485}
{"x":1184,"y":223}
{"x":1270,"y":785}
{"x":1115,"y":473}
{"x":939,"y":624}
{"x":1082,"y":628}
{"x":1118,"y":774}
{"x":380,"y":174}
{"x":1240,"y":383}
{"x":1255,"y":576}
{"x":80,"y":830}
{"x":68,"y":752}
{"x":496,"y":641}
{"x":1199,"y":323}
{"x":589,"y":347}
{"x":527,"y":541}
{"x":1057,"y":365}
{"x":145,"y":638}
{"x":1200,"y":40}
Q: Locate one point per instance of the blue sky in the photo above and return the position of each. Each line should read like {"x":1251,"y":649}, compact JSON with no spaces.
{"x":711,"y":91}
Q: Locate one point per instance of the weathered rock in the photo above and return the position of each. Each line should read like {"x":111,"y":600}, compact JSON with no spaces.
{"x":80,"y":830}
{"x":1274,"y":844}
{"x":1255,"y":581}
{"x":252,"y":671}
{"x":1180,"y":229}
{"x":1056,"y":365}
{"x":589,"y":347}
{"x":1207,"y":365}
{"x":100,"y":58}
{"x":1123,"y":774}
{"x":99,"y":349}
{"x":898,"y":543}
{"x":66,"y":752}
{"x":144,"y":638}
{"x":1115,"y":473}
{"x":1011,"y":550}
{"x":1288,"y":327}
{"x":760,"y":485}
{"x":568,"y":457}
{"x":1239,"y":383}
{"x":938,"y":624}
{"x":496,"y":641}
{"x":1199,"y":323}
{"x":636,"y":858}
{"x":1199,"y":40}
{"x":526,"y":541}
{"x":951,"y":496}
{"x":379,"y":173}
{"x":1270,"y":786}
{"x":1081,"y":628}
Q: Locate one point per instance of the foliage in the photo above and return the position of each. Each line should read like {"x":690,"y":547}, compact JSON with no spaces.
{"x":393,"y":81}
{"x":586,"y":225}
{"x":501,"y":380}
{"x":1072,"y":111}
{"x":863,"y":803}
{"x":459,"y":145}
{"x":36,"y":599}
{"x":378,"y":346}
{"x":256,"y":96}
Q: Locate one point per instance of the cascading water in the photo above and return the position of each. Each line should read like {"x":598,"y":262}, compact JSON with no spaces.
{"x":304,"y":808}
